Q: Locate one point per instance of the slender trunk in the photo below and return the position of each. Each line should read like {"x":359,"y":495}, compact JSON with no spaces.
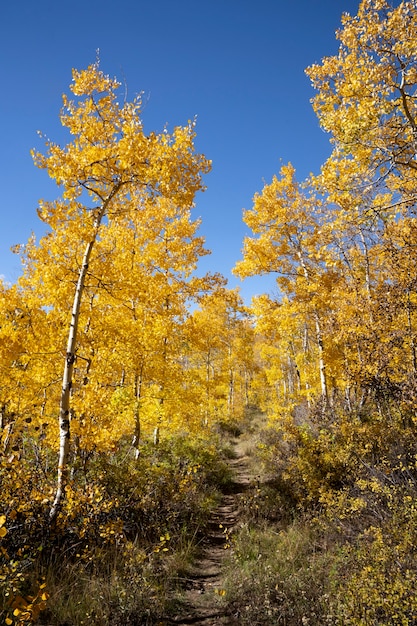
{"x":322,"y":364}
{"x":247,"y":383}
{"x":208,"y":394}
{"x":6,"y":429}
{"x":76,"y":455}
{"x":136,"y":436}
{"x":347,"y":397}
{"x":411,"y":334}
{"x":137,"y":431}
{"x":290,"y":376}
{"x":64,"y":409}
{"x":320,"y":343}
{"x":306,"y":347}
{"x":231,"y":394}
{"x":162,"y":388}
{"x":156,"y":436}
{"x":6,"y":436}
{"x":367,"y":277}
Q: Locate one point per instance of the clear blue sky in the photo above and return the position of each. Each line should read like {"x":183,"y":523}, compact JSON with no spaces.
{"x":236,"y":64}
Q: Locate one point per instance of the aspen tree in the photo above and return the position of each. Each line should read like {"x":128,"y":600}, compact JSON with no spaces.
{"x":366,"y":101}
{"x":287,"y":241}
{"x":114,"y":166}
{"x":366,"y":93}
{"x":220,"y":356}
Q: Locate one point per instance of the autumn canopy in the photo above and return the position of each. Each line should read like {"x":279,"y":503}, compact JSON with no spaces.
{"x":112,"y":343}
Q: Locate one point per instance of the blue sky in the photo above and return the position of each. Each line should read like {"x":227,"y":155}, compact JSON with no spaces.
{"x":238,"y":65}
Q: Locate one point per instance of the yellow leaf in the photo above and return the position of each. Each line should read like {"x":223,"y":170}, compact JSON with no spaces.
{"x":3,"y":531}
{"x":2,"y":519}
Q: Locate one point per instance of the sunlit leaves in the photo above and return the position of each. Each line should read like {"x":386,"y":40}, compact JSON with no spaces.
{"x":3,"y":529}
{"x":366,"y":93}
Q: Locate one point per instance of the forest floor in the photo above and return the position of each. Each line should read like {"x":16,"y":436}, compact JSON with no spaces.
{"x":202,"y":602}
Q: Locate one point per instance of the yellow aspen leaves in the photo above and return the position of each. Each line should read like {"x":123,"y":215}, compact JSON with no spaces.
{"x":3,"y":529}
{"x":340,"y":244}
{"x":132,"y":238}
{"x":365,"y":93}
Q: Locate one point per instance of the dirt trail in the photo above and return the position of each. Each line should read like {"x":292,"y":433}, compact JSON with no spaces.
{"x":202,"y":599}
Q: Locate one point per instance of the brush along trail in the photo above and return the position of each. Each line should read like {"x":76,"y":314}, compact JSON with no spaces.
{"x":202,"y":601}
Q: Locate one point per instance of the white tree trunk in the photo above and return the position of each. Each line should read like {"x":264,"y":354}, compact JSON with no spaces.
{"x":65,"y":402}
{"x":64,"y":409}
{"x":320,"y":343}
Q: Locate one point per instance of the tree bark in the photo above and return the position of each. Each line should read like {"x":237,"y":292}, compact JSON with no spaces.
{"x":320,"y":343}
{"x":65,"y":402}
{"x":137,"y":431}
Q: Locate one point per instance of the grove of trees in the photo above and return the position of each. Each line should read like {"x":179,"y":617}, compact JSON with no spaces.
{"x":114,"y":351}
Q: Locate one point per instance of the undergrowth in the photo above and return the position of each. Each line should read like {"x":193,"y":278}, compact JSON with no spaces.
{"x":327,"y":531}
{"x":128,"y":529}
{"x":329,"y":535}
